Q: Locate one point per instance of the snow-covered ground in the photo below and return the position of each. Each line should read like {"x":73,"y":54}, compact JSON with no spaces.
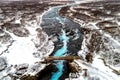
{"x":101,"y":39}
{"x":97,"y":70}
{"x":21,"y":55}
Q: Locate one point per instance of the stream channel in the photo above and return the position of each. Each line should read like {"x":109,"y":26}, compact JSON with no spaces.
{"x":67,"y":38}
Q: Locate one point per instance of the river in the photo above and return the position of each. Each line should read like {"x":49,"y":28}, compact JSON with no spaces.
{"x":65,"y":34}
{"x":67,"y":37}
{"x":60,"y":52}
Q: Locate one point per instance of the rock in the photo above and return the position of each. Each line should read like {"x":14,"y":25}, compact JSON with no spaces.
{"x":10,"y":26}
{"x":21,"y":32}
{"x":28,"y":77}
{"x":1,"y":10}
{"x":3,"y":64}
{"x":4,"y":37}
{"x":21,"y":69}
{"x":1,"y":32}
{"x":75,"y":67}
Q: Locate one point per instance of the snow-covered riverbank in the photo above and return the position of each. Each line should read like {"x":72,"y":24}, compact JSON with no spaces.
{"x":23,"y":43}
{"x":101,"y":38}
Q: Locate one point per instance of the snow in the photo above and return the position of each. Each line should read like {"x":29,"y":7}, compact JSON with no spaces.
{"x":97,"y":68}
{"x":22,"y":49}
{"x":18,"y":21}
{"x":98,"y":63}
{"x":2,"y":48}
{"x":85,"y":1}
{"x":21,"y":52}
{"x":113,"y":40}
